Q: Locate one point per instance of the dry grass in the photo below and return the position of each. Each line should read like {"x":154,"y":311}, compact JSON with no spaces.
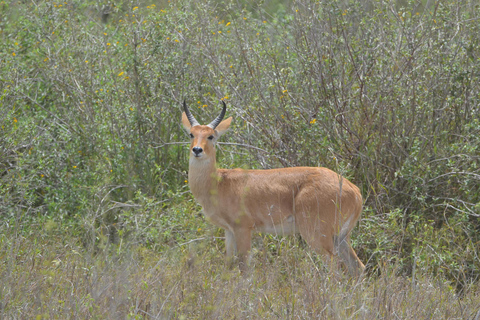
{"x":42,"y":277}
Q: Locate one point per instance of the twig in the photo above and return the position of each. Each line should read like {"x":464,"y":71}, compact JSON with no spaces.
{"x":199,"y":239}
{"x":169,"y":143}
{"x":477,"y":176}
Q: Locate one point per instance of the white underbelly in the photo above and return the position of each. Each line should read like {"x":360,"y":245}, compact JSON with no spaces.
{"x":285,"y":227}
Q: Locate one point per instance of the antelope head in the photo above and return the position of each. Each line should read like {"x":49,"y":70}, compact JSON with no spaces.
{"x":204,"y":137}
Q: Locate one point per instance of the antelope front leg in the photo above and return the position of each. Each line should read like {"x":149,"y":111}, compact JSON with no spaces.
{"x":230,"y":246}
{"x":243,"y":242}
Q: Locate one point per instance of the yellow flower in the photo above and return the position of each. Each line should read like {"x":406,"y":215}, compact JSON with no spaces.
{"x":13,"y":54}
{"x":313,"y":121}
{"x":74,"y":167}
{"x":120,"y":74}
{"x":228,"y":23}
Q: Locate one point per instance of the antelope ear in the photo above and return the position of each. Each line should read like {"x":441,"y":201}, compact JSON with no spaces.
{"x":185,"y":122}
{"x":223,"y":126}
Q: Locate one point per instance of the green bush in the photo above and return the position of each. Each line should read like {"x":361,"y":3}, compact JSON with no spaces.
{"x":386,"y":94}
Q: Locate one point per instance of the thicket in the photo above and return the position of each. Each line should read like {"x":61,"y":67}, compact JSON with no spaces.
{"x":387,"y":94}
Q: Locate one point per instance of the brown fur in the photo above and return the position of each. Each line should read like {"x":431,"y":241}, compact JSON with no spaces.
{"x":316,"y":202}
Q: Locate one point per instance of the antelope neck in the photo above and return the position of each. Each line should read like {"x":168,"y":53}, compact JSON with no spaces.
{"x":202,"y":176}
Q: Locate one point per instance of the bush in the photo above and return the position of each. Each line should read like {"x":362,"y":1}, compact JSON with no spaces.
{"x":386,"y":94}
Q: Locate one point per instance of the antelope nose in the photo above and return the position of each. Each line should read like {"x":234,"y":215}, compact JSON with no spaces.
{"x":197,"y":151}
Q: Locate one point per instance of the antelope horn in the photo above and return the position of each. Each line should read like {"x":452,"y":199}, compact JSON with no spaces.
{"x":190,"y":117}
{"x":218,"y":119}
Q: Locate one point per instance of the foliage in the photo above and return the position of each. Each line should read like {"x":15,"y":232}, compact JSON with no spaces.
{"x":387,"y":94}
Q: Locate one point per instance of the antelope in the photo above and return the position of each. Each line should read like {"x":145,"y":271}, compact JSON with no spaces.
{"x":316,"y":202}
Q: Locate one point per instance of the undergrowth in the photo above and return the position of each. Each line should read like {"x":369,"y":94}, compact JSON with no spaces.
{"x":46,"y":275}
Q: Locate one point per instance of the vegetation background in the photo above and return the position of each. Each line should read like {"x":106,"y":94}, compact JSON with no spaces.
{"x":96,"y":219}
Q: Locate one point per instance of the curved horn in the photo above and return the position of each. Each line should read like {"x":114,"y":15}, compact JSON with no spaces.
{"x":190,"y":117}
{"x":218,"y":119}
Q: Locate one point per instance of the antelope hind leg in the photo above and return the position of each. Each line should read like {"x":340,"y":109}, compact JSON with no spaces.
{"x":350,"y":259}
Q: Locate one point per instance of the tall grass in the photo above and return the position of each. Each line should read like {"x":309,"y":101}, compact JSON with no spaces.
{"x":45,"y":277}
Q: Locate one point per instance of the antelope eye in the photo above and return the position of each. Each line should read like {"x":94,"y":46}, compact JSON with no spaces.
{"x":191,"y":135}
{"x":210,"y":138}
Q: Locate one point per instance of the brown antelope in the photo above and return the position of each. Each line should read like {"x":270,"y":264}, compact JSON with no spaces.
{"x":316,"y":202}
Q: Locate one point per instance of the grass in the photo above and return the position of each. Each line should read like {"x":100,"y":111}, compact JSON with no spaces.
{"x":47,"y":277}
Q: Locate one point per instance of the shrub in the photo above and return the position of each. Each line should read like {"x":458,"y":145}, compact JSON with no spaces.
{"x":386,"y":94}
